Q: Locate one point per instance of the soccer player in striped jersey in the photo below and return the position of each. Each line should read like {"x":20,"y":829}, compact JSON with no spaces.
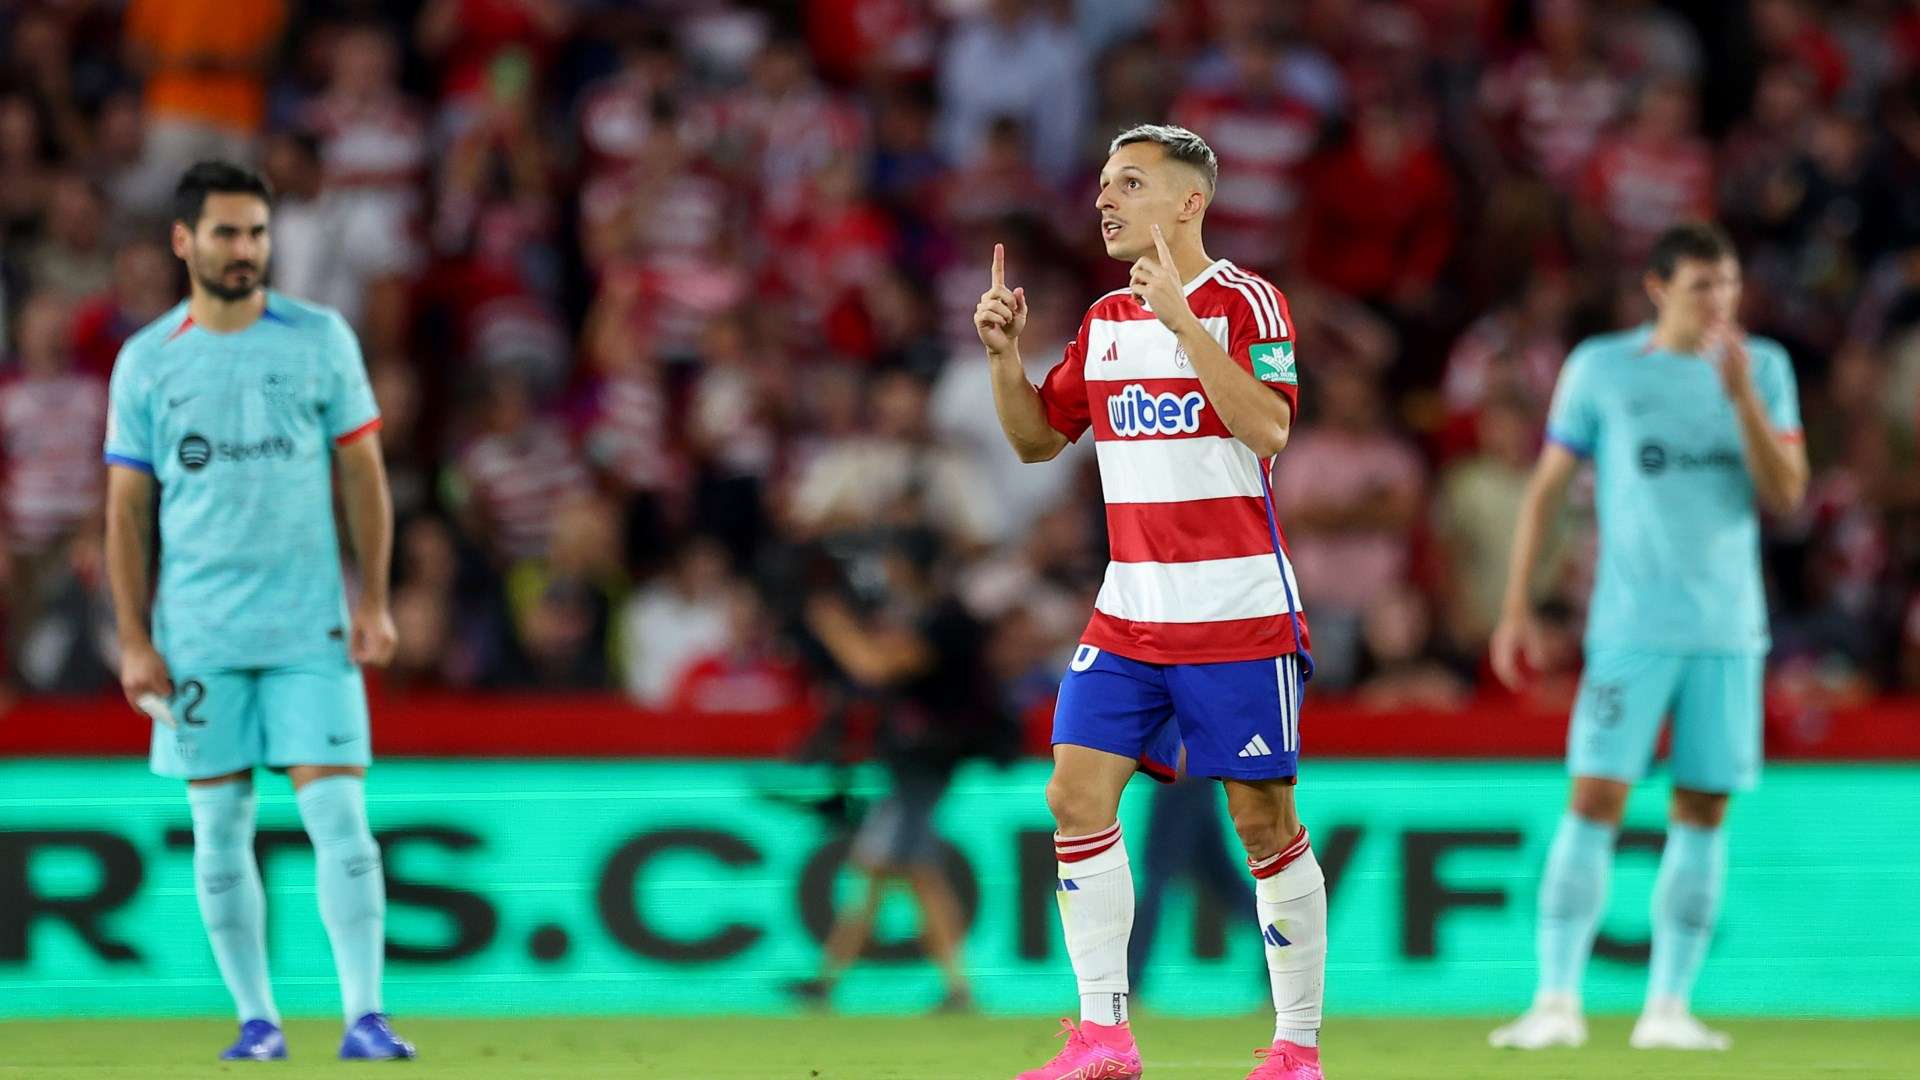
{"x":1197,"y":642}
{"x":1692,"y":427}
{"x":230,"y":415}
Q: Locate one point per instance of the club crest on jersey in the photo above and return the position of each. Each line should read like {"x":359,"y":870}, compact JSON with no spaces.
{"x":1180,"y":357}
{"x":1137,"y":411}
{"x":1273,"y":362}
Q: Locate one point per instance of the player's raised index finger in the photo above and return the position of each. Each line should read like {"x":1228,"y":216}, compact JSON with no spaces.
{"x":1160,"y":245}
{"x":999,"y":266}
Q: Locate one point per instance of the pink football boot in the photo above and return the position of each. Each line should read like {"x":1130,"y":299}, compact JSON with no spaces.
{"x":1286,"y":1061}
{"x":1093,"y":1052}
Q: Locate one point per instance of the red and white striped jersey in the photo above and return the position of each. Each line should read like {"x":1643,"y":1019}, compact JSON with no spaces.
{"x":1194,"y":577}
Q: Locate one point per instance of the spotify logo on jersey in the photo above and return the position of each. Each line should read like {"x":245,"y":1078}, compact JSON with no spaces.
{"x":195,"y":452}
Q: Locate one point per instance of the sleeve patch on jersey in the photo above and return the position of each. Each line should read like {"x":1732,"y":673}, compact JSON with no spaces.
{"x":1273,"y":362}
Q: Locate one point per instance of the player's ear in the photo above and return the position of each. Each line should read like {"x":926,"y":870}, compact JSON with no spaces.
{"x":1195,"y":204}
{"x":1656,"y":288}
{"x":181,"y":238}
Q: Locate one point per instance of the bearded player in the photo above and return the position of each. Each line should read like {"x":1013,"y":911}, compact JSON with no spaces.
{"x":234,"y":412}
{"x":1186,"y":378}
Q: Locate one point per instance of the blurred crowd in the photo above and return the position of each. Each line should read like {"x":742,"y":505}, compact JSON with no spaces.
{"x":666,"y":305}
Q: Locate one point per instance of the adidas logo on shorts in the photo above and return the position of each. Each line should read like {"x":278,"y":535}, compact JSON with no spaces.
{"x":1256,"y":747}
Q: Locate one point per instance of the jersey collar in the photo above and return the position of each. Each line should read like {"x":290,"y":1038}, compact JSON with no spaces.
{"x":1206,"y":275}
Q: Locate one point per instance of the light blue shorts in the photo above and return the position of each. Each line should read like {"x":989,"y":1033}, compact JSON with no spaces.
{"x":230,"y":719}
{"x":1717,"y":703}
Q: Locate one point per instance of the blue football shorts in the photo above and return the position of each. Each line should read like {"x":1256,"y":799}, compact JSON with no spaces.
{"x":1238,"y":720}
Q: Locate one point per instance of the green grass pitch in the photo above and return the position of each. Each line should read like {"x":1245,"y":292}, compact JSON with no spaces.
{"x":966,"y":1048}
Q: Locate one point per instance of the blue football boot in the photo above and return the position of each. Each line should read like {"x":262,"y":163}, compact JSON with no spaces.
{"x":370,"y":1039}
{"x":259,"y":1040}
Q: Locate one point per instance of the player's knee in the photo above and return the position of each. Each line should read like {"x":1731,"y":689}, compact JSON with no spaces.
{"x":1077,"y":810}
{"x":1700,"y":809}
{"x":1602,"y":802}
{"x":1259,"y":830}
{"x":333,"y":812}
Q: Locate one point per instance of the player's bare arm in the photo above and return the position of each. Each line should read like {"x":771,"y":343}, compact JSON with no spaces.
{"x":1777,"y":461}
{"x":1518,"y":633}
{"x":363,"y":490}
{"x":129,"y":555}
{"x":876,"y":659}
{"x":1249,"y":408}
{"x":999,"y":319}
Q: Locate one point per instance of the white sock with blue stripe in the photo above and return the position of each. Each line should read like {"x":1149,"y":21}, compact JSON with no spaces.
{"x":1290,"y":895}
{"x":1096,"y":913}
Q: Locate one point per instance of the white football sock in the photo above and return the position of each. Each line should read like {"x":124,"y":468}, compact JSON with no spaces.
{"x":1096,"y":911}
{"x":1291,"y":899}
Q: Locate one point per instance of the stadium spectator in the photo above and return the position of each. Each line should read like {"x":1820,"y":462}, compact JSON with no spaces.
{"x":1477,"y":500}
{"x":733,"y":433}
{"x":1401,"y":671}
{"x":1349,"y":493}
{"x":410,"y":463}
{"x":1379,"y":217}
{"x":25,"y":163}
{"x":676,"y":621}
{"x":487,"y":49}
{"x":205,"y":64}
{"x":144,"y":284}
{"x":1786,"y":30}
{"x":782,"y":128}
{"x":563,"y":604}
{"x":1264,"y":137}
{"x":1656,"y":171}
{"x":753,"y":670}
{"x":628,"y":430}
{"x":1023,"y":61}
{"x":372,"y":138}
{"x":1303,"y":67}
{"x":426,"y":573}
{"x":73,"y":256}
{"x":335,"y":249}
{"x":1516,"y":349}
{"x":896,"y":476}
{"x":1552,"y":102}
{"x":1643,"y":40}
{"x":51,"y":418}
{"x":514,"y":476}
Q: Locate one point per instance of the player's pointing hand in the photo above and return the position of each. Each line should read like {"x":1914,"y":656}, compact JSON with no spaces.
{"x":1156,"y":283}
{"x":1002,"y":313}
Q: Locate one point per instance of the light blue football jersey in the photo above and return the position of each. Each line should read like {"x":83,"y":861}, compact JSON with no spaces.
{"x":239,"y":430}
{"x":1679,"y":532}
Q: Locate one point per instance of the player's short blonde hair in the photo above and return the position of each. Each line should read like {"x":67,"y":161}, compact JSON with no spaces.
{"x":1180,"y":144}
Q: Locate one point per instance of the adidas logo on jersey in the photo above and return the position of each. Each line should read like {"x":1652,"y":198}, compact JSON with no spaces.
{"x":1112,"y":353}
{"x":1256,"y":747}
{"x":1137,"y":411}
